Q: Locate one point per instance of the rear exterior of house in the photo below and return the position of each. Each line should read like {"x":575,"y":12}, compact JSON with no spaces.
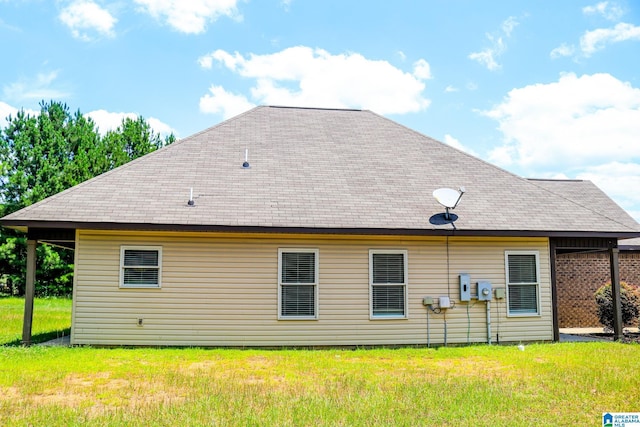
{"x":312,"y":227}
{"x":230,"y":290}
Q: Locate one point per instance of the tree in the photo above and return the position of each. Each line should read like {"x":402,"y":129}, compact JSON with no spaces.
{"x":43,"y":154}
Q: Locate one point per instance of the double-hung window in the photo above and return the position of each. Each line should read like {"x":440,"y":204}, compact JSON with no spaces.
{"x":388,"y":283}
{"x":140,"y":266}
{"x":297,"y":283}
{"x":523,"y":282}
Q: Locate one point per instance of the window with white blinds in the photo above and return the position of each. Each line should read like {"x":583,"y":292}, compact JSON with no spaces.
{"x":297,"y":283}
{"x":140,"y":266}
{"x":523,"y":283}
{"x":388,"y":284}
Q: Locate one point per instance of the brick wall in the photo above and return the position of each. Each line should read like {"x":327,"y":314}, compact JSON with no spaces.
{"x":578,"y":276}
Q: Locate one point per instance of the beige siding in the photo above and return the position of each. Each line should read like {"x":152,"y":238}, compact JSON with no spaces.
{"x":221,"y":290}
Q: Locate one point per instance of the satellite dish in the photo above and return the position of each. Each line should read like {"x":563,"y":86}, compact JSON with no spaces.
{"x":449,"y":198}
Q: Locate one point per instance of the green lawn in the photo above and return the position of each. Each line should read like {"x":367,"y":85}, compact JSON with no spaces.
{"x":546,"y":384}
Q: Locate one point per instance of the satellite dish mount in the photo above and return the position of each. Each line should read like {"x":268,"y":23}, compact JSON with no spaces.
{"x":448,"y":198}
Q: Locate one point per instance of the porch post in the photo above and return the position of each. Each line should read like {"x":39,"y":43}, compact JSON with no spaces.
{"x":554,"y":290}
{"x":29,"y":292}
{"x":615,"y":292}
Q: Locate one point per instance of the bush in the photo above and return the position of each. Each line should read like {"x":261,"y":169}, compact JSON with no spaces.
{"x":629,"y":301}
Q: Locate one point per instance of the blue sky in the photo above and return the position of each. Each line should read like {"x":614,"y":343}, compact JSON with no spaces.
{"x":545,"y":89}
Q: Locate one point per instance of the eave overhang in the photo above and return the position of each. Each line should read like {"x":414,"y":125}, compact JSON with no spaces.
{"x":35,"y":227}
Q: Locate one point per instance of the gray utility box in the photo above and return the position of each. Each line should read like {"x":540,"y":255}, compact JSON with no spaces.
{"x":465,"y":287}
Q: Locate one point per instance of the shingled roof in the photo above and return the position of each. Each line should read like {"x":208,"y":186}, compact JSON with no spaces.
{"x":322,"y":170}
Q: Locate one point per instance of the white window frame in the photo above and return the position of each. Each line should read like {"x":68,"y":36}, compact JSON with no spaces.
{"x":315,"y":283}
{"x":123,"y":267}
{"x":536,"y":284}
{"x":405,"y":284}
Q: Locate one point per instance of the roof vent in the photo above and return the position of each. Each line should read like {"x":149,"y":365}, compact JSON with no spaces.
{"x":246,"y":159}
{"x":191,"y":202}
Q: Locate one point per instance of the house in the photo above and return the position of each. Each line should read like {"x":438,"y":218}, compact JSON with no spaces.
{"x":311,"y":227}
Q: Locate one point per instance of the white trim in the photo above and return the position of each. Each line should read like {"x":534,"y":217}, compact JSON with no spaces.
{"x":536,"y":284}
{"x":405,"y":257}
{"x":315,"y":283}
{"x":124,"y":248}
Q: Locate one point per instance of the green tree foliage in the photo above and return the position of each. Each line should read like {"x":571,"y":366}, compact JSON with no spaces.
{"x":629,"y":301}
{"x":43,"y":154}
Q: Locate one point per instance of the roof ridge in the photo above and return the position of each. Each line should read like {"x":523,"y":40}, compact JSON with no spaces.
{"x":314,"y":108}
{"x":557,"y":179}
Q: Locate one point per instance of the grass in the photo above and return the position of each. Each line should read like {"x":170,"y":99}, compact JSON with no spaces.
{"x":546,"y":384}
{"x":51,"y":319}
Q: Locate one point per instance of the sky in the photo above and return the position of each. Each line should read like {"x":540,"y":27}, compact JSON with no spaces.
{"x":541,"y":88}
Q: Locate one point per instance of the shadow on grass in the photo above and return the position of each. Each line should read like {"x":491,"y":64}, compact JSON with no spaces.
{"x":41,"y":337}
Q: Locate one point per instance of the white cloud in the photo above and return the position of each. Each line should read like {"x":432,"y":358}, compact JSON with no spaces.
{"x":586,"y":127}
{"x":453,"y":142}
{"x":7,"y":110}
{"x":34,"y":89}
{"x":422,"y":70}
{"x":220,"y":101}
{"x":228,"y":60}
{"x":84,"y":17}
{"x":489,"y":55}
{"x":286,"y":4}
{"x":508,"y":25}
{"x":161,"y":127}
{"x":302,"y":76}
{"x":573,"y":122}
{"x":595,"y":40}
{"x":189,"y":16}
{"x":451,"y":88}
{"x":562,"y":51}
{"x":106,"y":121}
{"x":608,"y":10}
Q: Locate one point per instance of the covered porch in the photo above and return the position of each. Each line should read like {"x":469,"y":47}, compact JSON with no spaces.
{"x":562,"y":245}
{"x":65,"y":238}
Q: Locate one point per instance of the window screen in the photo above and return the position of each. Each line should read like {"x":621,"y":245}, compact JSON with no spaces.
{"x":388,"y":268}
{"x":140,"y":267}
{"x":522,"y":283}
{"x":388,"y":283}
{"x":298,"y":283}
{"x":298,"y":267}
{"x":298,"y":300}
{"x":388,"y":300}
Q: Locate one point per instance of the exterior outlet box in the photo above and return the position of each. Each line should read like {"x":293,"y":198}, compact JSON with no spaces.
{"x":500,"y":294}
{"x":444,"y":302}
{"x":484,"y":291}
{"x":427,"y":301}
{"x":465,"y":287}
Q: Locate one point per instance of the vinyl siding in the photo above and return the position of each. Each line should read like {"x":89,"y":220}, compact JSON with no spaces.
{"x":222,"y":290}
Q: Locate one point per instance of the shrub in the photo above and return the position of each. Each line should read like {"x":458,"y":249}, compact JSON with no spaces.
{"x":629,"y":301}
